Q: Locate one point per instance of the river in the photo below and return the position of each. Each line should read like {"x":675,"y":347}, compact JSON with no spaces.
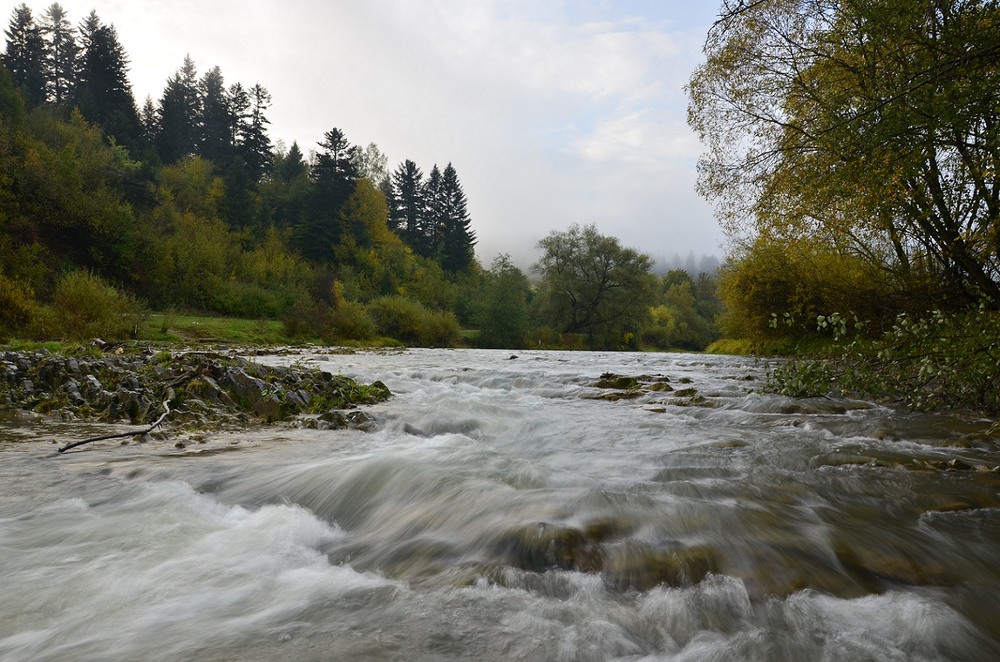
{"x":506,"y":509}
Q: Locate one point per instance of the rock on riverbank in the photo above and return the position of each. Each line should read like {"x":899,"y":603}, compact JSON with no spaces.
{"x":202,"y":388}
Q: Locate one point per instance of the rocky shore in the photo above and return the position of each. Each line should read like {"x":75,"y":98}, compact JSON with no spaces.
{"x":201,"y":390}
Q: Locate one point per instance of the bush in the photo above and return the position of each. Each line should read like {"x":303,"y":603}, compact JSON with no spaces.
{"x":17,"y":306}
{"x":350,"y":321}
{"x":85,"y":306}
{"x":408,"y":321}
{"x":937,"y":360}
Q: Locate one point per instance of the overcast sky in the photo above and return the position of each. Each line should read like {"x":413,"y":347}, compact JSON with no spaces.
{"x":552,"y":112}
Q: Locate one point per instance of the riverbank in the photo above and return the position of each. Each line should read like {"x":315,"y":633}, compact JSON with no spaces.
{"x":194,"y":390}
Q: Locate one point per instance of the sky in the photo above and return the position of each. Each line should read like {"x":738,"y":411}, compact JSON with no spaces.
{"x":552,"y":112}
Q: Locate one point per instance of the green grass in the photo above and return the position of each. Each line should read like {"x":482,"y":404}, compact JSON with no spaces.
{"x":174,"y":327}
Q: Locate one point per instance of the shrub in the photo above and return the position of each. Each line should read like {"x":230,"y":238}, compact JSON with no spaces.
{"x":408,"y":321}
{"x":350,"y":321}
{"x":85,"y":306}
{"x":933,"y":361}
{"x":17,"y":306}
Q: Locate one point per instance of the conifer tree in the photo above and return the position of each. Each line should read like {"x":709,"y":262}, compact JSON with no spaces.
{"x":103,"y":92}
{"x":252,"y":139}
{"x":457,"y":237}
{"x":178,"y":132}
{"x":333,"y":175}
{"x":406,"y":202}
{"x":428,"y":238}
{"x":61,"y":53}
{"x":25,"y":55}
{"x":217,"y":121}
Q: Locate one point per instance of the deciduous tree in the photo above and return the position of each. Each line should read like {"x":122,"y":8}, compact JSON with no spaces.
{"x":869,"y":125}
{"x":591,"y":284}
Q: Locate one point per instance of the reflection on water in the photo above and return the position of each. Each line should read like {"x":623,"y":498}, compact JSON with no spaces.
{"x":507,"y":508}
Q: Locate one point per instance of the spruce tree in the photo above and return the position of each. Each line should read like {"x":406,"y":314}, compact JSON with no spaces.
{"x":217,"y":120}
{"x":61,"y":53}
{"x":25,"y":56}
{"x":428,"y":240}
{"x":406,"y":201}
{"x":178,"y":132}
{"x":457,"y":237}
{"x":103,"y":92}
{"x":253,"y":142}
{"x":333,"y":176}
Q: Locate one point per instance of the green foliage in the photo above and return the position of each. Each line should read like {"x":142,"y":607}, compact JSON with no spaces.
{"x":869,"y":126}
{"x":504,"y":319}
{"x":408,"y":321}
{"x":349,"y":321}
{"x":592,"y":285}
{"x":931,"y":361}
{"x":17,"y":306}
{"x":776,"y":290}
{"x":86,"y":306}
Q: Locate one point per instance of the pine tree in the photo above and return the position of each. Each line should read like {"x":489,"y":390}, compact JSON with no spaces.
{"x":25,"y":56}
{"x":61,"y":53}
{"x":180,"y":108}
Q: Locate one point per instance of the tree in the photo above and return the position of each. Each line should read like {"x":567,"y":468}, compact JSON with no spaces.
{"x":253,"y":143}
{"x":590,"y":284}
{"x":217,"y":118}
{"x":103,"y":92}
{"x":505,"y":315}
{"x":429,"y":237}
{"x":871,"y":126}
{"x":61,"y":52}
{"x":406,"y":202}
{"x":372,"y":164}
{"x":457,"y":237}
{"x":333,"y":177}
{"x":25,"y":55}
{"x":180,"y":109}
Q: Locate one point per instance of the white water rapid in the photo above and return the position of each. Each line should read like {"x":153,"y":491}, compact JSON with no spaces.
{"x":502,"y":510}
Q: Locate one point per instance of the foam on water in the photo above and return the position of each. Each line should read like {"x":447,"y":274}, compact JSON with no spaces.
{"x":474,"y":523}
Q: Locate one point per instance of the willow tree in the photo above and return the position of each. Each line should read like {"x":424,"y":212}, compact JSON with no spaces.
{"x":592,"y":285}
{"x":872,"y":126}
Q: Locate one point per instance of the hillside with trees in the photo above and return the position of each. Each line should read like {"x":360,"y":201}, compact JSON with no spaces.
{"x":184,"y":203}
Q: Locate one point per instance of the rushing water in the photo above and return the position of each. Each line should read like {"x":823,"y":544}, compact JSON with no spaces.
{"x":501,"y":512}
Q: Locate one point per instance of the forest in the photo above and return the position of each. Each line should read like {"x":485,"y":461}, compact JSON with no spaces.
{"x":109,"y":210}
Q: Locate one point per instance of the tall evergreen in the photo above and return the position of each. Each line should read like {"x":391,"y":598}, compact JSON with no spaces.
{"x":334,"y":175}
{"x":217,"y":123}
{"x":252,"y":140}
{"x":178,"y":132}
{"x":457,"y":238}
{"x":25,"y":55}
{"x":406,"y":202}
{"x":61,"y":53}
{"x":103,"y":92}
{"x":291,"y":165}
{"x":429,"y":237}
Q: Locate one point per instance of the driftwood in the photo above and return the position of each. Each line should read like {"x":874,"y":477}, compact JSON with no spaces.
{"x":166,"y":412}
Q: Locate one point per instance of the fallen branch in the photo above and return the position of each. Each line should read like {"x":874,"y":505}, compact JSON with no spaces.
{"x":166,"y":412}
